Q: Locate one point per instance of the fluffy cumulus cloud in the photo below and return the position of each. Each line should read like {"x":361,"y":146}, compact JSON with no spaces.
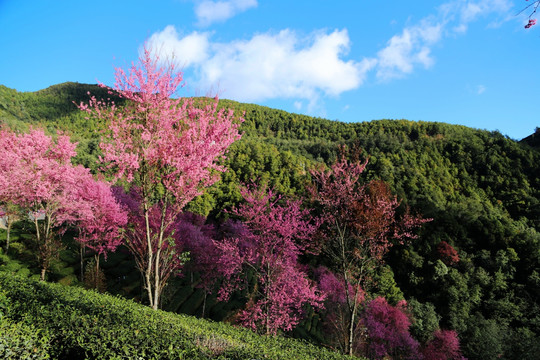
{"x":209,"y":12}
{"x":413,"y":47}
{"x":306,"y":69}
{"x":280,"y":65}
{"x":183,"y":51}
{"x":404,"y":51}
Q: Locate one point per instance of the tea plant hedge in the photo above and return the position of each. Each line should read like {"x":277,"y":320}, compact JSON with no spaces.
{"x":62,"y":322}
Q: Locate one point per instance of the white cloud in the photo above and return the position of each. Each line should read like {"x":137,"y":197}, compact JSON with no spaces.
{"x":471,"y":10}
{"x":480,"y":89}
{"x":463,"y":12}
{"x":306,"y":69}
{"x":413,"y":47}
{"x":460,"y":29}
{"x":404,"y":51}
{"x":185,"y":51}
{"x":209,"y":12}
{"x":269,"y":65}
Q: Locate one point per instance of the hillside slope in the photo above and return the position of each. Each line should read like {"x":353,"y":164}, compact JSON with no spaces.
{"x":72,"y":323}
{"x":481,"y":188}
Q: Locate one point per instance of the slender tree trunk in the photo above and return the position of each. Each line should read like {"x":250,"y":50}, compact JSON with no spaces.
{"x":353,"y":320}
{"x":204,"y":303}
{"x":96,"y":277}
{"x":267,"y":296}
{"x":42,"y":251}
{"x":351,"y":334}
{"x":350,"y":307}
{"x":157,"y":280}
{"x":9,"y":223}
{"x":158,"y":277}
{"x":81,"y":253}
{"x":148,"y":272}
{"x":352,"y":317}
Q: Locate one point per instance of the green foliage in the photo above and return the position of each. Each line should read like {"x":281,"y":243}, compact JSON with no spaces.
{"x":484,"y":339}
{"x":21,"y":341}
{"x":386,"y":286}
{"x":481,"y":188}
{"x":84,"y":324}
{"x":426,"y":320}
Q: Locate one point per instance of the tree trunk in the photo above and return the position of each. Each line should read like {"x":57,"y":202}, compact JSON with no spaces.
{"x":148,"y":286}
{"x":351,"y":325}
{"x":157,"y":280}
{"x":351,"y":334}
{"x":204,"y":303}
{"x":81,"y":253}
{"x":41,"y":251}
{"x":148,"y":272}
{"x":8,"y":233}
{"x":96,"y":277}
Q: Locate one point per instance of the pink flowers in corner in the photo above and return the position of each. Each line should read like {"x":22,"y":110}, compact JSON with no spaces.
{"x":531,"y":22}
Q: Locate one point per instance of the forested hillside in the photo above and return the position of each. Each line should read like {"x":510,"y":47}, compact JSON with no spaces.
{"x":475,"y":268}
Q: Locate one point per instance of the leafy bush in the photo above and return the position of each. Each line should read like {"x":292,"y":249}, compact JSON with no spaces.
{"x":84,"y":324}
{"x":20,"y":341}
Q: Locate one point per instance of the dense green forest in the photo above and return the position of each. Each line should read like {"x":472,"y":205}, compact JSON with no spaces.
{"x":481,"y":189}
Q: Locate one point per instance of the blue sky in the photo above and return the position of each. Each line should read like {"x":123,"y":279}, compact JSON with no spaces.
{"x":454,"y":61}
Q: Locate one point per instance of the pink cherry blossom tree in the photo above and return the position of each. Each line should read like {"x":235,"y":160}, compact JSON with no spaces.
{"x":193,"y":234}
{"x":447,"y":253}
{"x":36,"y":174}
{"x":168,"y":146}
{"x":279,"y":231}
{"x":336,"y":311}
{"x":101,"y":230}
{"x":443,"y":346}
{"x":387,"y":331}
{"x":360,"y":226}
{"x":134,"y":234}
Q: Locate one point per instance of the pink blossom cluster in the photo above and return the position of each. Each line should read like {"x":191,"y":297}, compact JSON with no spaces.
{"x":170,"y":147}
{"x":388,"y":330}
{"x":279,"y":231}
{"x":37,"y":176}
{"x":101,"y":231}
{"x":531,"y":22}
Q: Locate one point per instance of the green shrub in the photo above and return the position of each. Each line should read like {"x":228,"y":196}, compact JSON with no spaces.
{"x":21,"y":341}
{"x":86,"y":325}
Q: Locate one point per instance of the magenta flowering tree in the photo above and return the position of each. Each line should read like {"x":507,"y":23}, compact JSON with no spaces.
{"x":172,"y":257}
{"x":169,"y":147}
{"x":193,"y":234}
{"x":101,"y":230}
{"x":36,"y":175}
{"x":387,"y":331}
{"x":443,"y":346}
{"x":279,"y":231}
{"x":447,"y":253}
{"x":336,"y":314}
{"x":360,"y":226}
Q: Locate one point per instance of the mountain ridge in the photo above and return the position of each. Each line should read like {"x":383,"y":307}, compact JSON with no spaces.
{"x":74,"y":92}
{"x":481,"y":188}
